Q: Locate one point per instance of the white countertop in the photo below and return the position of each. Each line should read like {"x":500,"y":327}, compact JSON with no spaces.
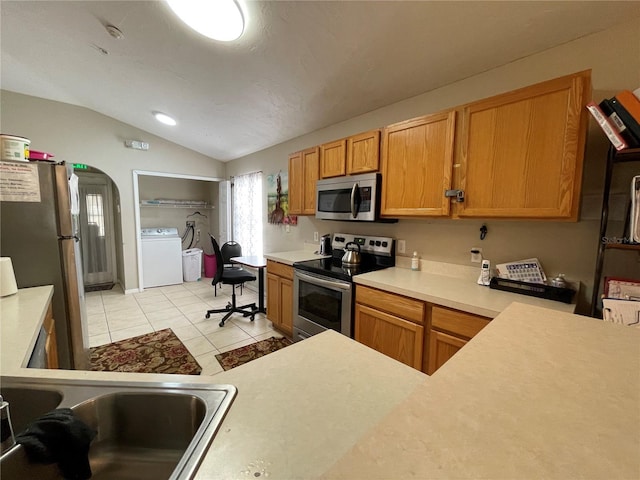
{"x":289,"y":258}
{"x":21,"y":316}
{"x":536,"y":394}
{"x":459,"y":292}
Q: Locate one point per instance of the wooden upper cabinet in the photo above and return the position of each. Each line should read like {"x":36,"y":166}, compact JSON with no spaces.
{"x":296,"y":183}
{"x":332,"y":159}
{"x":303,"y":174}
{"x":311,"y":163}
{"x":351,"y":156}
{"x":363,"y":152}
{"x":521,"y":152}
{"x":417,"y":159}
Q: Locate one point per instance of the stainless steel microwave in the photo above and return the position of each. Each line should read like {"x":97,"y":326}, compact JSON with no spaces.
{"x":354,"y":198}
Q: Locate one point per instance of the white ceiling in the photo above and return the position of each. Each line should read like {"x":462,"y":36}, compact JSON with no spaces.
{"x":300,"y":66}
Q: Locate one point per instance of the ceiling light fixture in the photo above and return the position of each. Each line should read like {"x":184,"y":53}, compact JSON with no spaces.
{"x":216,"y":19}
{"x":164,"y":118}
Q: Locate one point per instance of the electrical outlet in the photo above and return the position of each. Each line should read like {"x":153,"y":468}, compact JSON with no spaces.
{"x":315,"y":236}
{"x":197,"y":235}
{"x":476,"y":255}
{"x":402,"y":246}
{"x":191,"y":223}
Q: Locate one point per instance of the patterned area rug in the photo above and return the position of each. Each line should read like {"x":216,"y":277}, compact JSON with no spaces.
{"x":157,"y":352}
{"x":242,"y":355}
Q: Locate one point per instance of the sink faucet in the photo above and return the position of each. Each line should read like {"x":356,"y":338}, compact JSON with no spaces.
{"x":7,"y":439}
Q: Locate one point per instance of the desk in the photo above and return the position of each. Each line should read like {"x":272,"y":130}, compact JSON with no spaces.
{"x":255,"y":261}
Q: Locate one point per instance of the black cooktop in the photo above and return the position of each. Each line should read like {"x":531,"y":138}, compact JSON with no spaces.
{"x":332,"y":266}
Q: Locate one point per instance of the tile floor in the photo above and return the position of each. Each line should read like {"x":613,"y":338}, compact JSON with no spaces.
{"x":114,"y":316}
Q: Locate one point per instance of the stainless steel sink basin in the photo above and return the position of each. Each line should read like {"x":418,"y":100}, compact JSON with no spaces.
{"x":145,"y":431}
{"x":29,"y":403}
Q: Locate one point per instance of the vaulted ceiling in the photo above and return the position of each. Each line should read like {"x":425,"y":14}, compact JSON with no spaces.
{"x":299,"y":67}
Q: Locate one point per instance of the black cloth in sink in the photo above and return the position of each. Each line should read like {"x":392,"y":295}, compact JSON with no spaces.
{"x":60,"y":437}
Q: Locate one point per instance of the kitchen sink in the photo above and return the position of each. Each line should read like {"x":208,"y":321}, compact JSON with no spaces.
{"x":144,"y":431}
{"x":26,"y":404}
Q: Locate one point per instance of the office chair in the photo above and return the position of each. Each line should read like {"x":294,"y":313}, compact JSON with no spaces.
{"x":229,"y":250}
{"x":233,"y":277}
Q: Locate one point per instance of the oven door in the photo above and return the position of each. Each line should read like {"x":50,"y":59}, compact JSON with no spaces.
{"x":320,"y":303}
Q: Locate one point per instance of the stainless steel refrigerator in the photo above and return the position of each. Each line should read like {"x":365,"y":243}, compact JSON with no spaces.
{"x":40,"y":234}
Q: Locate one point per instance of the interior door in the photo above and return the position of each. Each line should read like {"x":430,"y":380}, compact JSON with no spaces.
{"x":96,"y":229}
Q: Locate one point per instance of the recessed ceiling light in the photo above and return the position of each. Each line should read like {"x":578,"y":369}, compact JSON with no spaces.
{"x":216,"y":19}
{"x":164,"y":118}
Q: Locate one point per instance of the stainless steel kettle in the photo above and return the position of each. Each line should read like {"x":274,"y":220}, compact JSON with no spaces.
{"x":351,"y":256}
{"x":325,"y":245}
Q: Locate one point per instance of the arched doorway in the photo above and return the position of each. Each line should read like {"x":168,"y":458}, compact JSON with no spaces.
{"x":99,"y":199}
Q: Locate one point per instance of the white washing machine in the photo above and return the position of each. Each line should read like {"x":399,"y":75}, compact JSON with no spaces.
{"x":161,"y":256}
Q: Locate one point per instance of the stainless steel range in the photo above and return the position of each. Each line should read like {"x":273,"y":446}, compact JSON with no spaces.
{"x":323,"y":288}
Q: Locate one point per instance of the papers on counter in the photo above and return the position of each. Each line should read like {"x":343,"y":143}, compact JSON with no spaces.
{"x":624,"y":312}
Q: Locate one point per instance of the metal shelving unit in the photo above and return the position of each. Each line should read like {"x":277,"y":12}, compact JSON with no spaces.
{"x":614,"y":157}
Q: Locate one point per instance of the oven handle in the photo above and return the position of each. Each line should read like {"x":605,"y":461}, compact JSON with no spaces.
{"x":334,"y":284}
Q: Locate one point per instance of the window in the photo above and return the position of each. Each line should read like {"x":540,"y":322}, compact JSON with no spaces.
{"x":95,"y":212}
{"x":247,"y":212}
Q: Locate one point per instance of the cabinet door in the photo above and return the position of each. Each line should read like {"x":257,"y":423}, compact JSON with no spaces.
{"x":51,"y":344}
{"x":286,"y":305}
{"x":273,"y":298}
{"x":311,"y":163}
{"x":333,"y":159}
{"x":363,"y":153}
{"x":442,"y":347}
{"x":296,"y":183}
{"x":388,"y":334}
{"x":417,"y":159}
{"x":521,"y":153}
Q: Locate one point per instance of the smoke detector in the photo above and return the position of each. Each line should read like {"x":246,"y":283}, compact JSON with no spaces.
{"x":114,"y":32}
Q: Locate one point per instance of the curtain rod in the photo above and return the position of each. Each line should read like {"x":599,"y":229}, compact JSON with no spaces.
{"x":231,"y":177}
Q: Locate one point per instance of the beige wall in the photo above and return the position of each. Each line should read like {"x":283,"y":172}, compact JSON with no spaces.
{"x":614,"y":57}
{"x":79,"y":135}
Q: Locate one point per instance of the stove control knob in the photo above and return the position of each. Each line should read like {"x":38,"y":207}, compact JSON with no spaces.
{"x":371,"y":242}
{"x":377,"y":243}
{"x":384,"y":244}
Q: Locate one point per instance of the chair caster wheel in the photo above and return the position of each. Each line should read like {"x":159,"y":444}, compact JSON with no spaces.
{"x":221,"y":324}
{"x":252,"y":318}
{"x":207,"y":315}
{"x":229,"y":306}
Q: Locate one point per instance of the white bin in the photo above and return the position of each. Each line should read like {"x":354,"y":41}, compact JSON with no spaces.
{"x":192,"y":264}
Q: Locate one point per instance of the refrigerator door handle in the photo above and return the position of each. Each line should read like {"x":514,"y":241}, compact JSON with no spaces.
{"x":69,"y":237}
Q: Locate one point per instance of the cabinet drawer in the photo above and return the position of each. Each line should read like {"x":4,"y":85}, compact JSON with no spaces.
{"x":398,"y":305}
{"x":454,"y":321}
{"x":280,"y":269}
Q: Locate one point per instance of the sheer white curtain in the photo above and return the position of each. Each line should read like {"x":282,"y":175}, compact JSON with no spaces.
{"x":247,"y":212}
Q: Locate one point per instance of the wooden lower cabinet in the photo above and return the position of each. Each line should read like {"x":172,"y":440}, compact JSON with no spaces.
{"x":450,"y":331}
{"x":416,"y":333}
{"x":442,"y":347}
{"x":51,"y":345}
{"x":280,"y":296}
{"x":391,"y":324}
{"x":391,"y":335}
